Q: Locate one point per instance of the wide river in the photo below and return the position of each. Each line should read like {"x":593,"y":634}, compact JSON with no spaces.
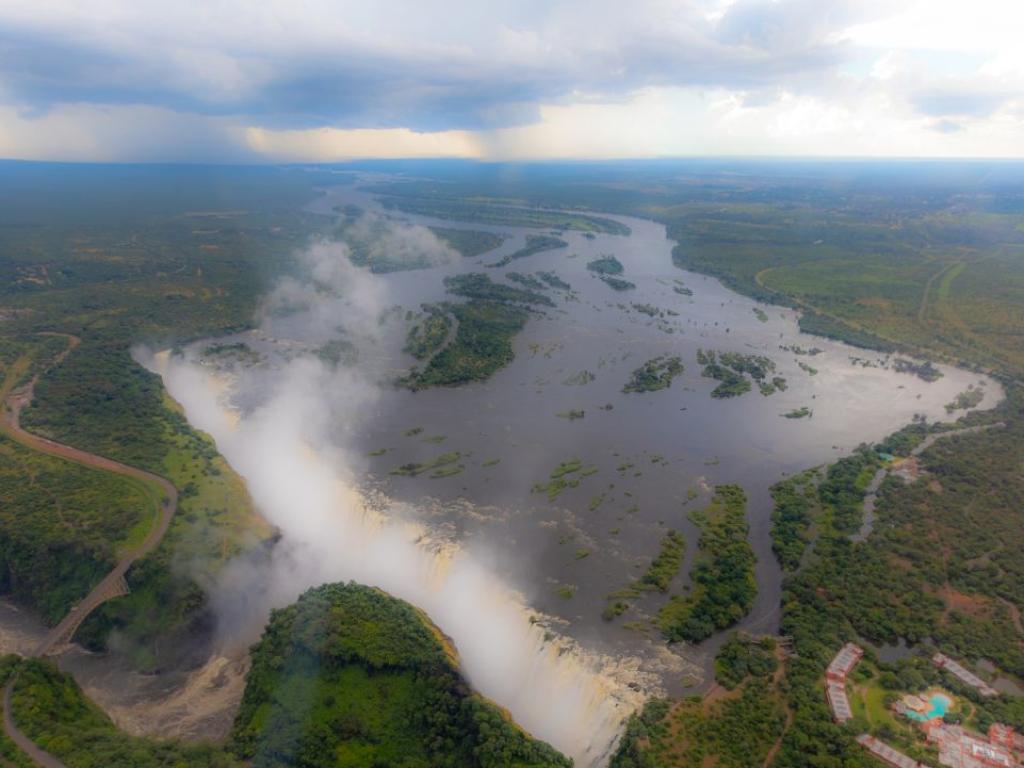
{"x":652,"y":457}
{"x":675,"y":441}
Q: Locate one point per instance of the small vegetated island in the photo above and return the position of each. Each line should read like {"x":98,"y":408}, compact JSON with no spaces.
{"x":539,"y":281}
{"x":617,"y":283}
{"x":803,"y":412}
{"x":732,"y":369}
{"x":606,"y":265}
{"x":527,"y":281}
{"x":964,"y":401}
{"x":445,"y":465}
{"x":494,"y":314}
{"x":723,"y":577}
{"x":568,"y":474}
{"x":554,"y":281}
{"x":608,"y":268}
{"x":534,"y":244}
{"x":655,"y":374}
{"x":924,"y":371}
{"x":658,"y":576}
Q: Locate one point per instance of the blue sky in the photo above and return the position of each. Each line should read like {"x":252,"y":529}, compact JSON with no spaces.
{"x":305,"y":80}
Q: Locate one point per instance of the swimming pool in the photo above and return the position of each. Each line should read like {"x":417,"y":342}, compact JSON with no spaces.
{"x":940,"y":704}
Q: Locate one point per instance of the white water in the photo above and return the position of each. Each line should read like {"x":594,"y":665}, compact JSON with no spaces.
{"x":555,"y":690}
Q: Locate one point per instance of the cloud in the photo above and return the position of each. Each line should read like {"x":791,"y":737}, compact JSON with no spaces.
{"x":965,"y":101}
{"x":84,"y":132}
{"x":489,"y":79}
{"x":393,"y":64}
{"x":947,"y":126}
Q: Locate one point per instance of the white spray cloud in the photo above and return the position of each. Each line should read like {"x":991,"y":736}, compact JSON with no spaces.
{"x":331,"y":291}
{"x":300,"y":475}
{"x":399,"y":241}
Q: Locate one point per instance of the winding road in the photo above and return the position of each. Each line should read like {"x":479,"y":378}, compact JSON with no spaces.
{"x":871,"y":497}
{"x":110,"y":586}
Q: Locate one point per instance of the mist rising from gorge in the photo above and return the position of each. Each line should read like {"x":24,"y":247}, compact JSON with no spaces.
{"x":292,"y":451}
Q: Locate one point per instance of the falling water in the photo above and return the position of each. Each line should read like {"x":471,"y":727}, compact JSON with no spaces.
{"x":575,"y":700}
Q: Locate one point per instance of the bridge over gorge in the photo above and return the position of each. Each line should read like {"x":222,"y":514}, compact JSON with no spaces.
{"x":112,"y":585}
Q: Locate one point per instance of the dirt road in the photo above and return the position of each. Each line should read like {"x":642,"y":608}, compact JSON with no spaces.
{"x":113,"y":584}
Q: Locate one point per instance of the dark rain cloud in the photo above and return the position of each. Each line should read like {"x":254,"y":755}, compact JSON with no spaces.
{"x":389,"y":71}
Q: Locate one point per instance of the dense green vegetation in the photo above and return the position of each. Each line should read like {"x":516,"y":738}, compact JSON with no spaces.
{"x":52,"y":711}
{"x":534,"y":244}
{"x":430,"y":333}
{"x":605,"y":265}
{"x":554,"y":281}
{"x":442,"y":466}
{"x":568,"y":474}
{"x":964,"y":401}
{"x":929,"y":573}
{"x":9,"y":751}
{"x":164,"y":616}
{"x":795,"y":509}
{"x":61,"y":525}
{"x":527,"y":281}
{"x":483,"y":340}
{"x":482,"y":345}
{"x":349,"y":676}
{"x":832,"y":328}
{"x":654,"y":375}
{"x":925,"y":371}
{"x":842,"y":490}
{"x":617,"y":283}
{"x":803,"y":412}
{"x":126,"y":258}
{"x":731,"y":370}
{"x":734,"y":732}
{"x":502,"y":215}
{"x":731,"y":384}
{"x":665,"y":566}
{"x":723,"y":575}
{"x":469,"y":242}
{"x":744,"y":657}
{"x":476,"y":285}
{"x":658,"y":576}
